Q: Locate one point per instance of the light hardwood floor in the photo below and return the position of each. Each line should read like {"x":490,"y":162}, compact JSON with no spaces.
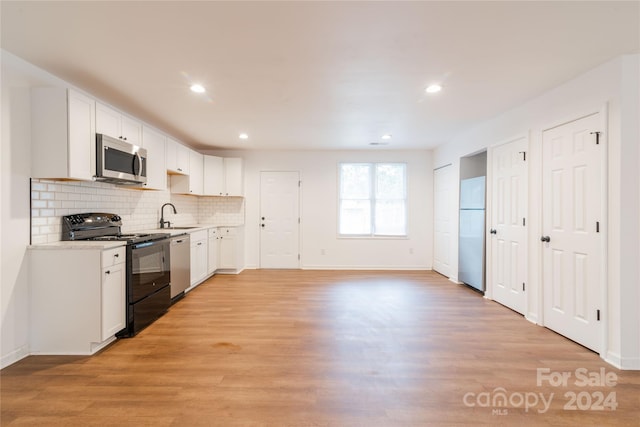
{"x":322,"y":348}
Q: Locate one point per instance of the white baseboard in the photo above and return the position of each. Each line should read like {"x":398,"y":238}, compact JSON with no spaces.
{"x":624,"y":363}
{"x":532,"y":318}
{"x":366,"y":267}
{"x":11,"y":358}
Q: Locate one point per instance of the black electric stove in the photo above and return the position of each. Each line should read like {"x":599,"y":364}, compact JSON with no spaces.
{"x":102,"y":226}
{"x":147,"y":265}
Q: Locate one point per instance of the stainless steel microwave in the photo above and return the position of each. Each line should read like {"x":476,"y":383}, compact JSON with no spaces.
{"x":119,"y":162}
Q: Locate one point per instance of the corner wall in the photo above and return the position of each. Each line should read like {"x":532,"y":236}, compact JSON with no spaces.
{"x":319,"y":209}
{"x":14,"y":216}
{"x":614,"y":85}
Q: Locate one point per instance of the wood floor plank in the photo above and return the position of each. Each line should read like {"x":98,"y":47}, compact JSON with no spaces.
{"x":320,"y":348}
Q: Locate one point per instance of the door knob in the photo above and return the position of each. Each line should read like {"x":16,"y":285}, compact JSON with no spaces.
{"x":493,"y":231}
{"x":263,"y":218}
{"x":545,"y":239}
{"x":262,"y":225}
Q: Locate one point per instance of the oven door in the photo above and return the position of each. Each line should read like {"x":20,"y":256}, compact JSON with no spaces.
{"x":150,"y":268}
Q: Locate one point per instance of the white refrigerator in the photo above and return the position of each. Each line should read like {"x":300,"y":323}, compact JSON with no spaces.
{"x":471,"y":248}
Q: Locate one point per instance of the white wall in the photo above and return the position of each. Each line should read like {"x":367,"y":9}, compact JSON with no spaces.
{"x":14,"y":217}
{"x":614,"y":84}
{"x":319,"y":209}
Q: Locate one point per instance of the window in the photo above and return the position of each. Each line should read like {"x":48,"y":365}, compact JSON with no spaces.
{"x":373,"y":198}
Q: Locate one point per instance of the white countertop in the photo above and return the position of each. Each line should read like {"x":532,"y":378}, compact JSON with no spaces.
{"x":183,"y":230}
{"x":79,"y":244}
{"x":102,"y":245}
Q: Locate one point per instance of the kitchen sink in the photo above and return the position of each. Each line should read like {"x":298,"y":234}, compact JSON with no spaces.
{"x":179,"y":228}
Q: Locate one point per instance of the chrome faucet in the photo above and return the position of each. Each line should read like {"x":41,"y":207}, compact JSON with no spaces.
{"x":162,"y":221}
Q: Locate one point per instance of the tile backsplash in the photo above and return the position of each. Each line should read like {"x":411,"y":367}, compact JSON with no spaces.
{"x":139,"y":209}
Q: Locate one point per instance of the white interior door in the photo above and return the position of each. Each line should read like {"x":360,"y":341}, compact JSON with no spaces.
{"x":279,"y":219}
{"x":443,"y":219}
{"x":572,"y":218}
{"x":508,"y":224}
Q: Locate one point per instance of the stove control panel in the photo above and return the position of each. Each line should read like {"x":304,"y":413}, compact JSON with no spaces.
{"x":92,"y":219}
{"x":89,"y":225}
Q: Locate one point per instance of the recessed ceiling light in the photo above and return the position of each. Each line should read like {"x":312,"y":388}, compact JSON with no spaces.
{"x":243,"y":136}
{"x":435,"y":88}
{"x":386,"y":136}
{"x":198,"y":88}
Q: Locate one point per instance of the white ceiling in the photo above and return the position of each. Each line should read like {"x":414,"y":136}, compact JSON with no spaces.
{"x":317,"y":75}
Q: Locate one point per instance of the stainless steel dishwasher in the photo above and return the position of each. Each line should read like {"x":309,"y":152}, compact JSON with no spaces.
{"x":180,"y":265}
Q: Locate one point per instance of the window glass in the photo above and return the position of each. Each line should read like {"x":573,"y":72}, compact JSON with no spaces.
{"x":373,"y":199}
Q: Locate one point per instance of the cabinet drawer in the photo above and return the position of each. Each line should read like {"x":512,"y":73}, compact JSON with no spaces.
{"x":113,"y":257}
{"x":227,"y":231}
{"x":198,"y":235}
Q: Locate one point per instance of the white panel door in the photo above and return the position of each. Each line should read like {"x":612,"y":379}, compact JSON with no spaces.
{"x":444,"y":218}
{"x":573,"y":180}
{"x":507,"y":238}
{"x":279,"y":220}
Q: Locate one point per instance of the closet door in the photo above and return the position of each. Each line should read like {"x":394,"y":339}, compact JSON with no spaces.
{"x":572,"y":226}
{"x":444,"y":219}
{"x":508,"y":225}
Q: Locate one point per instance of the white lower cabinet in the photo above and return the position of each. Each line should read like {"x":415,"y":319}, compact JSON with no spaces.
{"x":78,"y":298}
{"x":113,"y":293}
{"x":199,"y":257}
{"x":231,"y":249}
{"x":214,"y":241}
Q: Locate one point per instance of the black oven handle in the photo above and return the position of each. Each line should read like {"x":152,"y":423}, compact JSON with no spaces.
{"x":142,"y":245}
{"x":139,"y":159}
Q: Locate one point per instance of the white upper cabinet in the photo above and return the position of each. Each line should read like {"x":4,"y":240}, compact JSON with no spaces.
{"x":192,"y":183}
{"x":223,"y":176}
{"x":117,"y":125}
{"x":213,"y":176}
{"x":196,"y":172}
{"x":233,"y":177}
{"x":62,"y":134}
{"x":154,"y":142}
{"x":177,"y":157}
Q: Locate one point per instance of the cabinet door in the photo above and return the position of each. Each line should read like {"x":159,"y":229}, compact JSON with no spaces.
{"x":114,"y":301}
{"x":108,"y":121}
{"x":182,"y":159}
{"x":195,"y":172}
{"x":198,"y":261}
{"x":194,"y":263}
{"x":131,"y":130}
{"x":212,"y":254}
{"x":213,"y":176}
{"x":233,"y":176}
{"x":227,"y":257}
{"x":202,"y":259}
{"x":172,"y":155}
{"x":81,"y":116}
{"x":154,"y":143}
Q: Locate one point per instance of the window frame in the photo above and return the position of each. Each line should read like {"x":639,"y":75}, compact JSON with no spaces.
{"x":372,"y":202}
